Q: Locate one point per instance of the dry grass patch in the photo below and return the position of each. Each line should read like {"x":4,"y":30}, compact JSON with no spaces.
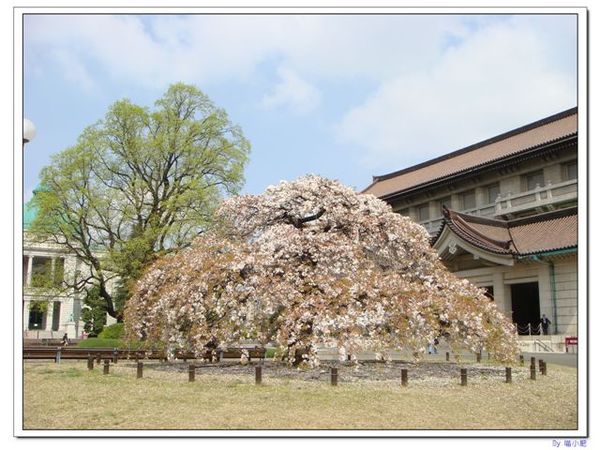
{"x":68,"y":396}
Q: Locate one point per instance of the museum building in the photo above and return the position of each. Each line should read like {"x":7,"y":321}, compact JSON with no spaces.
{"x":51,"y":306}
{"x":502,"y":213}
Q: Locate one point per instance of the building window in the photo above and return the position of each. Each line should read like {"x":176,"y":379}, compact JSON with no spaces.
{"x":534,"y":180}
{"x":489,"y":292}
{"x":36,"y":319}
{"x":492,"y":190}
{"x":446,"y":201}
{"x":570,"y":170}
{"x":423,"y":212}
{"x":41,"y":272}
{"x":467,"y":199}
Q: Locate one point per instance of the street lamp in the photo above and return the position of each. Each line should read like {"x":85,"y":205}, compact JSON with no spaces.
{"x":36,"y":326}
{"x":28,"y":135}
{"x":28,"y":131}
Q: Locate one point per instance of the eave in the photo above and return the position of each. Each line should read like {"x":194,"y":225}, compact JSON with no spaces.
{"x":562,"y":143}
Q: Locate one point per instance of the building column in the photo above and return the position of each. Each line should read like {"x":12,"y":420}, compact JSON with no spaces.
{"x":25,"y":315}
{"x":455,"y":199}
{"x":52,"y":268}
{"x":480,"y":197}
{"x":29,"y":270}
{"x":49,"y":316}
{"x":545,"y":290}
{"x":500,"y":294}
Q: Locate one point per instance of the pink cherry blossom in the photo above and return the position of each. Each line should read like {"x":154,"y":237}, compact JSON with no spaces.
{"x":311,"y":263}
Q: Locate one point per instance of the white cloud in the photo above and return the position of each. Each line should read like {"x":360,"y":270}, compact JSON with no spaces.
{"x":499,"y":77}
{"x":292,"y":92}
{"x":160,"y":49}
{"x":441,"y":82}
{"x":152,"y":52}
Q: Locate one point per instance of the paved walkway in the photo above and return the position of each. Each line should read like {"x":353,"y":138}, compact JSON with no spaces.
{"x":565,"y":359}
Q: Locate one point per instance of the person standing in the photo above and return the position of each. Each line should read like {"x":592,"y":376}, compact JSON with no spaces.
{"x":545,"y":324}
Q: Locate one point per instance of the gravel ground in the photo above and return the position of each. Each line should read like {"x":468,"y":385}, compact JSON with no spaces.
{"x":368,"y":371}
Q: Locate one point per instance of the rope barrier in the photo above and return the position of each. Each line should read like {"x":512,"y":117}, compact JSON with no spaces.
{"x":529,"y":329}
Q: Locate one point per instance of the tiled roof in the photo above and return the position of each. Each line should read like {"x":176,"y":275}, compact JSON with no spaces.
{"x":556,"y":230}
{"x":512,"y":143}
{"x":487,"y":234}
{"x":550,"y":234}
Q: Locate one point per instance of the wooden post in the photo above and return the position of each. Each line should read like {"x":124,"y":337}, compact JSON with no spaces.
{"x":508,"y":374}
{"x":58,"y":355}
{"x":463,"y":377}
{"x":532,"y":371}
{"x":540,"y":364}
{"x":521,"y":360}
{"x":140,"y":369}
{"x":90,"y":362}
{"x":404,"y":376}
{"x":533,"y":361}
{"x":478,"y":356}
{"x":192,"y":373}
{"x":447,"y":356}
{"x":334,"y":376}
{"x":543,"y":368}
{"x":258,"y":375}
{"x":115,"y":355}
{"x":106,"y":366}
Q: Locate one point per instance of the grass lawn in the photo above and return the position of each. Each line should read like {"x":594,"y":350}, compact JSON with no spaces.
{"x":100,"y":343}
{"x":68,"y":396}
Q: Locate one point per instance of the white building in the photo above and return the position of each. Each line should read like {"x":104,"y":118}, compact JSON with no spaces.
{"x":50,"y":309}
{"x":60,"y":309}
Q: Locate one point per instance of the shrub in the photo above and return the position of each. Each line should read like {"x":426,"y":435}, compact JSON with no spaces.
{"x":114,"y":331}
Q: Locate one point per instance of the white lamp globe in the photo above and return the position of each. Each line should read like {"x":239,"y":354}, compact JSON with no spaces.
{"x":28,"y":130}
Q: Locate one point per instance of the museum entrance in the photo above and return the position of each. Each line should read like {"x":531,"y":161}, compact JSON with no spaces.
{"x":526,"y":307}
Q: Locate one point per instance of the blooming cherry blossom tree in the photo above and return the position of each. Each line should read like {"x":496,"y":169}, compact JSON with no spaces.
{"x":312,"y":263}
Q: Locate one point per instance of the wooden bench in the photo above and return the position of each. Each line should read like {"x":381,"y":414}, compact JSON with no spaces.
{"x":76,"y":353}
{"x":54,"y":353}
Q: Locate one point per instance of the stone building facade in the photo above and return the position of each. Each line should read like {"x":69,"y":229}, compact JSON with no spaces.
{"x":50,"y":307}
{"x":502,"y":213}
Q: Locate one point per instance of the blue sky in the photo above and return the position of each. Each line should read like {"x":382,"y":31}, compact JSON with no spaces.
{"x":344,"y":96}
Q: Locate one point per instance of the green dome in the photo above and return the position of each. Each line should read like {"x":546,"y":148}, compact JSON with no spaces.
{"x":29,"y":209}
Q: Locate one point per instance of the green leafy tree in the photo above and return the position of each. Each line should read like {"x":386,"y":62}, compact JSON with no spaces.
{"x":138,"y":183}
{"x":93,"y":312}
